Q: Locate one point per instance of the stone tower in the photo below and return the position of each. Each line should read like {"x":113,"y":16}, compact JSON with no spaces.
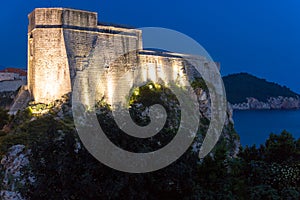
{"x":59,"y":43}
{"x":48,"y":69}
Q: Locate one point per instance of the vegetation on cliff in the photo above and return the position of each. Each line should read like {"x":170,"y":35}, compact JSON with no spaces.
{"x":243,"y":85}
{"x":61,"y":168}
{"x":6,"y":98}
{"x":4,"y":118}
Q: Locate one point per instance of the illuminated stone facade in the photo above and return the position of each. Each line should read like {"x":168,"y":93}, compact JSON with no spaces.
{"x":61,"y":42}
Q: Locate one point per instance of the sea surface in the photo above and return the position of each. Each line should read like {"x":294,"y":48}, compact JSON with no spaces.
{"x":255,"y":126}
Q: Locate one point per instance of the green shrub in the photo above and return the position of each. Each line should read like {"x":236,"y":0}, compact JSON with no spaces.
{"x":4,"y":117}
{"x":264,"y":192}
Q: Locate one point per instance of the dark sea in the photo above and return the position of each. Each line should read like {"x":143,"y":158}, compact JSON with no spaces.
{"x":255,"y":126}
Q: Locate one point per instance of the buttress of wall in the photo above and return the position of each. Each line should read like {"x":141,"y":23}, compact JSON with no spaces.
{"x":99,"y":58}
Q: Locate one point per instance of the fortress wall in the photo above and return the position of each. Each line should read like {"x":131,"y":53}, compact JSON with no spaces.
{"x":106,"y":64}
{"x":137,"y":34}
{"x":14,"y":85}
{"x":78,"y":45}
{"x":121,"y":77}
{"x":99,"y":58}
{"x":161,"y":69}
{"x":48,"y":75}
{"x":65,"y":43}
{"x":79,"y":18}
{"x":5,"y":76}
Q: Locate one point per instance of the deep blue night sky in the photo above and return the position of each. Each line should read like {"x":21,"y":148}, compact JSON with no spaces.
{"x":259,"y":37}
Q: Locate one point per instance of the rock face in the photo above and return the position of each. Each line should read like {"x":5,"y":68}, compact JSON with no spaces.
{"x":12,"y":163}
{"x":20,"y":101}
{"x":18,"y":157}
{"x":228,"y":133}
{"x":280,"y":102}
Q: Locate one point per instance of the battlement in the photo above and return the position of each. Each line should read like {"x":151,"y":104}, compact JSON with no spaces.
{"x":74,"y":19}
{"x":61,"y":17}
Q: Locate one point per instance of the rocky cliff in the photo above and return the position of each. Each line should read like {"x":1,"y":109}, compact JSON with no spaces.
{"x":245,"y":91}
{"x":284,"y":103}
{"x":43,"y":156}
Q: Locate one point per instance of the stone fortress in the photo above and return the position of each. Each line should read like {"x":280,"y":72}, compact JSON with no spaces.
{"x":61,"y":42}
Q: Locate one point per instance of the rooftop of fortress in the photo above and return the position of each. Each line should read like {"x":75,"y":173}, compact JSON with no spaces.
{"x":73,"y":19}
{"x":88,"y":21}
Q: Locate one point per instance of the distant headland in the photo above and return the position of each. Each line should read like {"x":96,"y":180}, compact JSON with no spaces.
{"x":247,"y":92}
